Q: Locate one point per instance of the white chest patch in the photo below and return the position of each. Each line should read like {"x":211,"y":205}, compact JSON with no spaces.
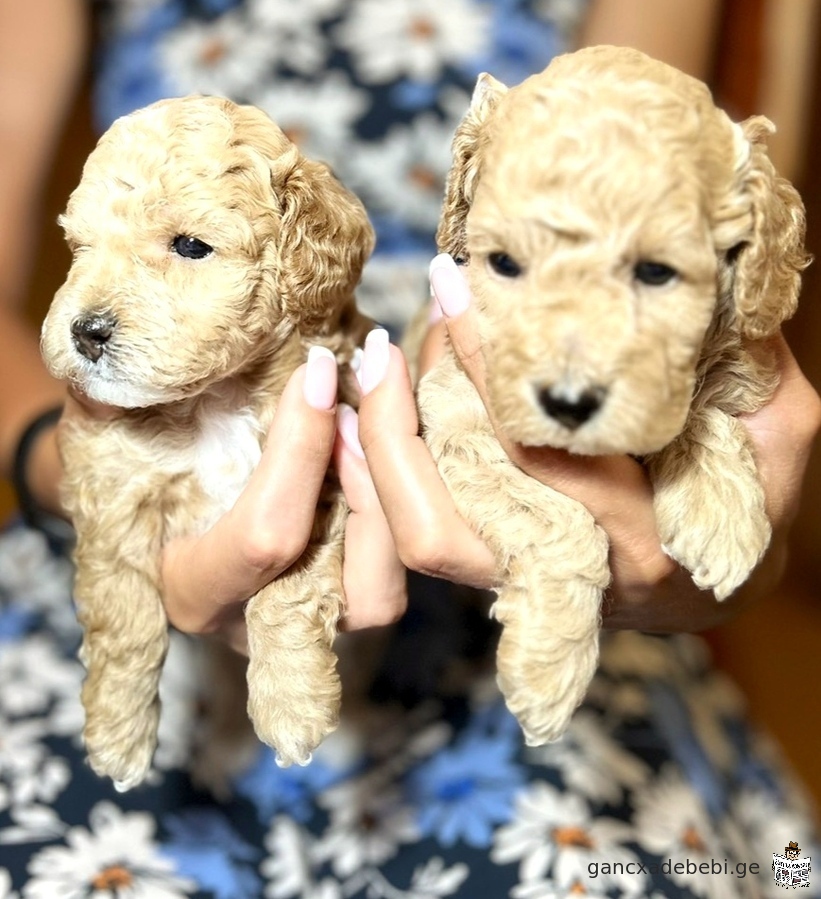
{"x":226,"y":452}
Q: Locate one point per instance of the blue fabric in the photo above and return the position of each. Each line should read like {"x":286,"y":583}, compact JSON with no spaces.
{"x":437,"y":796}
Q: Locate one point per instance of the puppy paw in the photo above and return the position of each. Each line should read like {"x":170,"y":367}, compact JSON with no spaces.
{"x":295,"y":731}
{"x":545,"y":663}
{"x":122,"y":750}
{"x":718,"y":542}
{"x":290,"y":712}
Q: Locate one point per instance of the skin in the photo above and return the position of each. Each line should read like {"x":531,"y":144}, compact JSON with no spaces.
{"x":401,"y":513}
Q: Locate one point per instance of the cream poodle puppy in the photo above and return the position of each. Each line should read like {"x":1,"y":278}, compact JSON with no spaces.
{"x":626,"y":240}
{"x":209,"y":254}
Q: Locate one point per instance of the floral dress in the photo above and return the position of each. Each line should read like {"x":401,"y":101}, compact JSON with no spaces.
{"x":659,"y":788}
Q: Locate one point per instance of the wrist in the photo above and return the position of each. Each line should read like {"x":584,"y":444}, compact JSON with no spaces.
{"x":36,"y":477}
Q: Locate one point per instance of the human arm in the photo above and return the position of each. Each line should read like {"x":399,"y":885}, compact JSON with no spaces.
{"x":680,"y":33}
{"x":42,"y":48}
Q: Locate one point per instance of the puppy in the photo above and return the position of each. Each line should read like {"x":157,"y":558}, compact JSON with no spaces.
{"x":625,"y":240}
{"x":208,"y":255}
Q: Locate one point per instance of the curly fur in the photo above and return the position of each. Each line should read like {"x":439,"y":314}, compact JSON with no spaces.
{"x":199,"y":352}
{"x":605,"y":161}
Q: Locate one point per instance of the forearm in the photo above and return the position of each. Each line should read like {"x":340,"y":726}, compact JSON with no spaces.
{"x":42,"y":52}
{"x":678,"y":32}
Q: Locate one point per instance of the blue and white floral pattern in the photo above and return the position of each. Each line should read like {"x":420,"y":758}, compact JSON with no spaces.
{"x":434,"y":800}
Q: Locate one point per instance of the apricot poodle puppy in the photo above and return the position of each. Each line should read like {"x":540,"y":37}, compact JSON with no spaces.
{"x":625,"y":241}
{"x":208,"y":255}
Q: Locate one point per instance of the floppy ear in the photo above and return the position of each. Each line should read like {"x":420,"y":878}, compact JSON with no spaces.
{"x":468,"y":145}
{"x":324,"y":240}
{"x":770,"y":258}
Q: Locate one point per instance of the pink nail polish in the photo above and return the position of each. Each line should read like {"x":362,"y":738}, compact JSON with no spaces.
{"x":375,"y":359}
{"x":319,"y":387}
{"x":448,"y":285}
{"x":347,"y":423}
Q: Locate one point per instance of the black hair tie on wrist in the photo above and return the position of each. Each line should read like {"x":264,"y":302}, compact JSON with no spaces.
{"x":57,"y":531}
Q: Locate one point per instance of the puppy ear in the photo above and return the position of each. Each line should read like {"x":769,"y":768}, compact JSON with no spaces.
{"x":770,"y":258}
{"x":467,"y":147}
{"x":324,"y":240}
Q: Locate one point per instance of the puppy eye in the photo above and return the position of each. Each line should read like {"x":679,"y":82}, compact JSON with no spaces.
{"x":504,"y":265}
{"x":191,"y":247}
{"x":654,"y":273}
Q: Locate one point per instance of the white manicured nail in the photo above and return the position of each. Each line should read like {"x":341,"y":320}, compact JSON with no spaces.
{"x":319,"y":387}
{"x":347,"y":423}
{"x":375,"y":359}
{"x":448,"y":285}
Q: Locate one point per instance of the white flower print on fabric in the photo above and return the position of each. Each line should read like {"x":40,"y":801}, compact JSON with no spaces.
{"x":554,"y":834}
{"x":34,"y":674}
{"x":33,"y":824}
{"x":116,"y":857}
{"x":28,"y":771}
{"x":275,"y":15}
{"x":547,"y":889}
{"x":289,"y":867}
{"x":671,"y":821}
{"x":223,"y":57}
{"x":318,"y":118}
{"x":368,"y":825}
{"x":405,"y":175}
{"x":42,"y":581}
{"x":6,"y":891}
{"x":433,"y":879}
{"x":591,"y":762}
{"x":389,"y":39}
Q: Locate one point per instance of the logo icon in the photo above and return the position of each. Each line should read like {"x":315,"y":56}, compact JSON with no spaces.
{"x":789,"y":870}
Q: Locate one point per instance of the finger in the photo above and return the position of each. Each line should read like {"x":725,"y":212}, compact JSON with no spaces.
{"x":374,"y":576}
{"x":433,"y":347}
{"x":450,"y":290}
{"x":270,"y":524}
{"x":783,"y":431}
{"x":430,"y":535}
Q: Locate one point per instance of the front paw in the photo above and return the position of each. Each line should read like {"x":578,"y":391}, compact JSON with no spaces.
{"x":290,"y":713}
{"x":123,"y":749}
{"x":715,"y":537}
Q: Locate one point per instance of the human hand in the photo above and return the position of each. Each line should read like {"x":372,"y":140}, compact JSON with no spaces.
{"x":649,"y":591}
{"x":207,"y":579}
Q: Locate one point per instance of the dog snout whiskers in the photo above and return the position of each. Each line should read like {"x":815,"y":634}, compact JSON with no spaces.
{"x":571,"y":409}
{"x":91,"y":333}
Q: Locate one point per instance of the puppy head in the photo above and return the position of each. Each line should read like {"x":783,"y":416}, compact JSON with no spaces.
{"x":601,"y":205}
{"x":201,"y":240}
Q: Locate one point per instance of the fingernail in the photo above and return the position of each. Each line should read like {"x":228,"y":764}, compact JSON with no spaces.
{"x":347,"y":423}
{"x":319,"y":387}
{"x":435,"y":313}
{"x":448,"y":285}
{"x":375,"y":359}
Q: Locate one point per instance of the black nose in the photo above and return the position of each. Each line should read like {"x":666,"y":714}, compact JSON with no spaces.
{"x":572,"y":413}
{"x":91,"y":333}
